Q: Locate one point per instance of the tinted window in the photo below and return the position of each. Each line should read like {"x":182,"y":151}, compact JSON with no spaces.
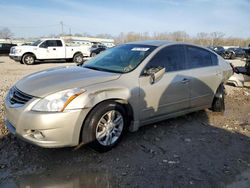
{"x":214,"y":59}
{"x":198,"y":57}
{"x":59,"y":43}
{"x":51,"y":43}
{"x":171,"y":57}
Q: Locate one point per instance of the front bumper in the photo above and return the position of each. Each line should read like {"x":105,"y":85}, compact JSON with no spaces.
{"x":50,"y":130}
{"x":15,"y":57}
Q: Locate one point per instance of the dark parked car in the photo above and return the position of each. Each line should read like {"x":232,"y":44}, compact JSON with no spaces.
{"x":5,"y":48}
{"x":237,"y":52}
{"x":218,"y":49}
{"x":247,"y":51}
{"x":96,"y":49}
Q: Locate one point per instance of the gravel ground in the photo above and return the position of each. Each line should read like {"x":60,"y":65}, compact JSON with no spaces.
{"x":201,"y":149}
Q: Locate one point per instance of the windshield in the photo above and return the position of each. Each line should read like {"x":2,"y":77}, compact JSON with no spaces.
{"x":35,"y":43}
{"x":120,"y":59}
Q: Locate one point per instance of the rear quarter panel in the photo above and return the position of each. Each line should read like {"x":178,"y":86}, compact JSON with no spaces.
{"x":226,"y":69}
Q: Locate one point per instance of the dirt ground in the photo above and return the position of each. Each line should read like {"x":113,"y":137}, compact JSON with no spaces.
{"x":201,"y":149}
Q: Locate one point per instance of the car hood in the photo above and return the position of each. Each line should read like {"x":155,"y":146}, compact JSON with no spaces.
{"x":25,"y":48}
{"x":49,"y":81}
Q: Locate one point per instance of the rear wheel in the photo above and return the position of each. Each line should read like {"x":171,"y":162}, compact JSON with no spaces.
{"x":78,"y":58}
{"x":28,"y":59}
{"x":106,"y":124}
{"x":218,"y":104}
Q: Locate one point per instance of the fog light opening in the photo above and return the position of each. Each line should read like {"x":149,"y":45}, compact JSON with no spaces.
{"x":37,"y":134}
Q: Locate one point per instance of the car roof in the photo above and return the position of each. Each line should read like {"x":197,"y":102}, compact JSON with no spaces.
{"x":152,"y":42}
{"x":159,"y":43}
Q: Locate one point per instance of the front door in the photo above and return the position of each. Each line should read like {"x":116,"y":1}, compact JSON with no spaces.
{"x":171,"y":93}
{"x":49,"y":49}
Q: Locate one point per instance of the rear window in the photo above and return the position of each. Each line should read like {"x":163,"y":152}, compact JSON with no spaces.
{"x":198,"y":57}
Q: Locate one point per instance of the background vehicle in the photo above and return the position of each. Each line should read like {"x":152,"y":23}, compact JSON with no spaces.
{"x":219,"y":50}
{"x":48,"y":49}
{"x":5,"y":48}
{"x":247,"y":51}
{"x":241,"y":75}
{"x":96,"y":49}
{"x":125,"y":87}
{"x":236,"y":52}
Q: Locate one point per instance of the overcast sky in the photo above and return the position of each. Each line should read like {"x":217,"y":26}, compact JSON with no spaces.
{"x":29,"y":18}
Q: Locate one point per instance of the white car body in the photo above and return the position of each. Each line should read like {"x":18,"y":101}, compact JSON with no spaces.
{"x":49,"y":52}
{"x":238,"y":80}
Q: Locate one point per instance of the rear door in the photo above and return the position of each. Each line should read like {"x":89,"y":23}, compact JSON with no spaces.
{"x":171,"y":93}
{"x":206,"y":76}
{"x":60,"y":49}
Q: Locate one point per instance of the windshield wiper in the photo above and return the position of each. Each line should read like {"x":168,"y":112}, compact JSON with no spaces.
{"x":94,"y":68}
{"x":101,"y":69}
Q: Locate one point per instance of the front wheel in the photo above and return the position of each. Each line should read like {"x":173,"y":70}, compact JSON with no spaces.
{"x":107,"y":123}
{"x":28,"y":59}
{"x":93,"y":54}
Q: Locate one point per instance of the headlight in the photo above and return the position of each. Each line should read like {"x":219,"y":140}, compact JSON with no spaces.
{"x":17,"y":51}
{"x":57,"y":102}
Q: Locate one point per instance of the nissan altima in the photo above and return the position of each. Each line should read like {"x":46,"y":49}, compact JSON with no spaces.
{"x":121,"y":89}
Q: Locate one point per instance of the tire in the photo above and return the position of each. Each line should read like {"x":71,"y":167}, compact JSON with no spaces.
{"x":78,"y":58}
{"x":93,"y":54}
{"x":28,"y":59}
{"x":105,"y":132}
{"x":218,"y":104}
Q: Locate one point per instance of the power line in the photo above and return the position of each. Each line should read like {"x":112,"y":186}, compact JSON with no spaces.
{"x":30,"y":27}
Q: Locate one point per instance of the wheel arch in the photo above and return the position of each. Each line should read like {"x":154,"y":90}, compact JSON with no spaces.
{"x":78,"y":52}
{"x":124,"y":103}
{"x":31,"y":53}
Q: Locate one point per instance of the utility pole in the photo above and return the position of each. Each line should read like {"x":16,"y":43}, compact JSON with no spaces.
{"x":69,"y":31}
{"x":61,"y":26}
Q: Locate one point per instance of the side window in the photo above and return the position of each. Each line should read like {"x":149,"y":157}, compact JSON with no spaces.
{"x":214,"y":59}
{"x":198,"y":57}
{"x":171,"y":57}
{"x":44,"y":44}
{"x":51,"y":43}
{"x":59,"y":43}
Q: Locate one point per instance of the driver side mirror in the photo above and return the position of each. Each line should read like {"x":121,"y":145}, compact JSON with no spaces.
{"x":155,"y":73}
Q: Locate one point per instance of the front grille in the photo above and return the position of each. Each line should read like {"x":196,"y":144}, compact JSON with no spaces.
{"x":18,"y":97}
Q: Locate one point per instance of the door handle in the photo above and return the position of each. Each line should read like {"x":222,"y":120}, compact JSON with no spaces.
{"x":54,"y":48}
{"x":185,"y":80}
